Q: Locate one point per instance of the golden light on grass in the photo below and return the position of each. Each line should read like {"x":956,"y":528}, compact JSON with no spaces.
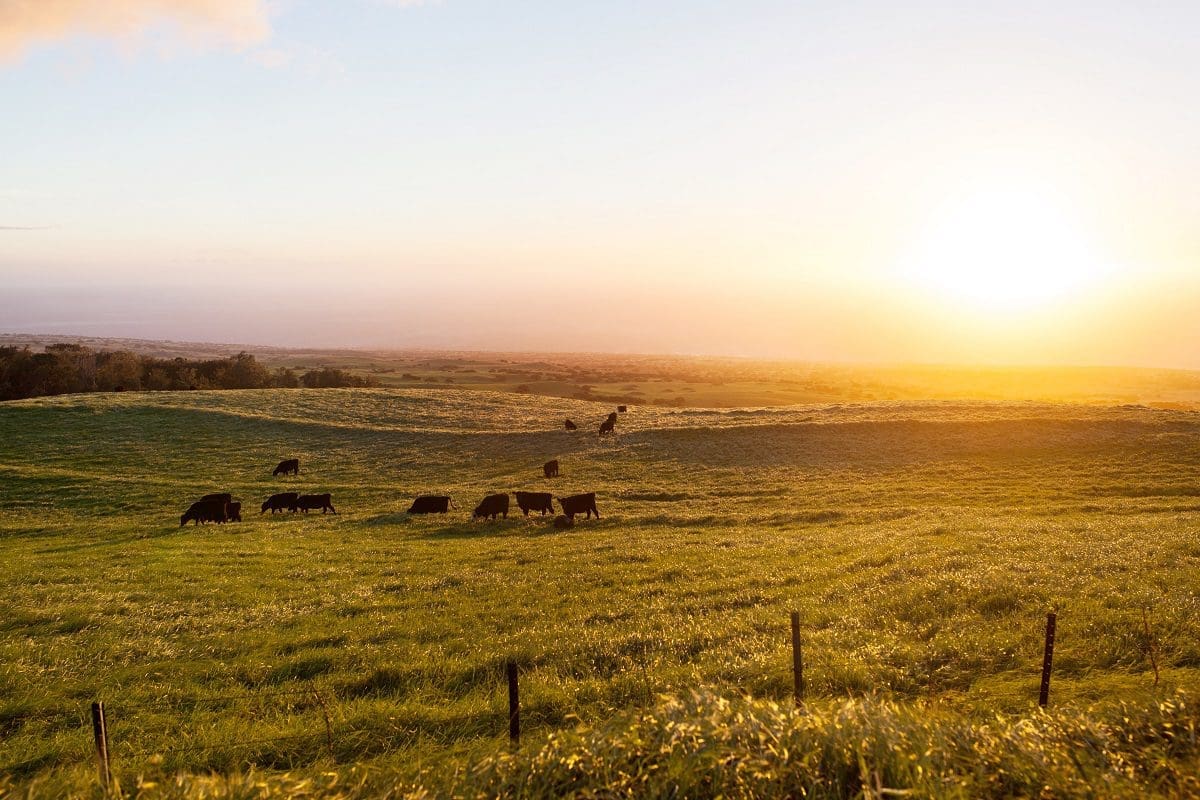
{"x":1004,"y":249}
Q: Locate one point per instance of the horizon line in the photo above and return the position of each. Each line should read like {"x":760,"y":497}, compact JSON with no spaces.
{"x":366,"y":349}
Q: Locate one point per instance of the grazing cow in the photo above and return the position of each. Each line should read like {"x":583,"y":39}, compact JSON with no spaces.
{"x":535,"y":501}
{"x":579,"y":504}
{"x":233,"y":512}
{"x":289,"y":466}
{"x":622,"y":409}
{"x":430,"y":505}
{"x":571,"y":426}
{"x":550,"y":469}
{"x":562,"y":523}
{"x":492,"y":506}
{"x":217,"y":498}
{"x":607,"y":426}
{"x":281,"y":502}
{"x":311,"y":502}
{"x":204,"y":511}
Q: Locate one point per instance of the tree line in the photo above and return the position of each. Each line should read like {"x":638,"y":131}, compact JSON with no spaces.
{"x":73,"y":368}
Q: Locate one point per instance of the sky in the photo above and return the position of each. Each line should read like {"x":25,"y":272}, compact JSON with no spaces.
{"x":827,"y":181}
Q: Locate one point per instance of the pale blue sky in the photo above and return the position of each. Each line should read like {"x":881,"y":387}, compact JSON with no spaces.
{"x":705,"y":176}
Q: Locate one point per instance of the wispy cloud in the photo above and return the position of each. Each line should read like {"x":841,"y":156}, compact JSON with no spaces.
{"x":24,"y":23}
{"x":315,"y":62}
{"x":24,"y":227}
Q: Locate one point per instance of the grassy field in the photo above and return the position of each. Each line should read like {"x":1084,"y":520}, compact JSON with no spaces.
{"x":921,"y":542}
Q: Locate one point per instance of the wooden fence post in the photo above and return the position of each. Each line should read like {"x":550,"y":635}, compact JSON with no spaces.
{"x":797,"y":660}
{"x":100,"y":733}
{"x":514,"y":704}
{"x":1047,"y":659}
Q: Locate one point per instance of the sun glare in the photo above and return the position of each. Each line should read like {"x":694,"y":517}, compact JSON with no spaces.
{"x":1003,"y":250}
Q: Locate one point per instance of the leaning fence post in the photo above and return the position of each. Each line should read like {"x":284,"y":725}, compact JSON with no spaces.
{"x":514,"y":704}
{"x":1047,"y":660}
{"x":100,"y":733}
{"x":797,"y":660}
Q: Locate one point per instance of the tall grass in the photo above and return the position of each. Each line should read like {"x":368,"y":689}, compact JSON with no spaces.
{"x":707,"y":745}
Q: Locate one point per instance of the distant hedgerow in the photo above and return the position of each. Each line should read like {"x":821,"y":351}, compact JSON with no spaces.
{"x":75,"y":369}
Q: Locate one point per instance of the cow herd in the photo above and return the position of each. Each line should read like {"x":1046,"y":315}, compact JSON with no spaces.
{"x":497,"y":505}
{"x":221,"y":507}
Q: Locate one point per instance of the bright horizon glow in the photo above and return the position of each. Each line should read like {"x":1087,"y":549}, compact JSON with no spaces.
{"x":1005,"y":249}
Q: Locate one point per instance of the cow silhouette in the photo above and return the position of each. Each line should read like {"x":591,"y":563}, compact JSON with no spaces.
{"x":289,"y":466}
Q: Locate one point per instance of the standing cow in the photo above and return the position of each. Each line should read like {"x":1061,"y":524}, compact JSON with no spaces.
{"x":311,"y":502}
{"x":430,"y":504}
{"x":550,"y":469}
{"x":535,"y":501}
{"x":285,"y":501}
{"x":205,"y":511}
{"x":290,"y":466}
{"x":492,"y":506}
{"x":607,"y":426}
{"x":579,"y":504}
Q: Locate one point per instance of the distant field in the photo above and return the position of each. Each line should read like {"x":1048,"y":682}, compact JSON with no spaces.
{"x":921,"y":542}
{"x":694,"y":381}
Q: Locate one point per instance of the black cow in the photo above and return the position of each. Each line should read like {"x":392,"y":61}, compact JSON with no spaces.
{"x":535,"y":501}
{"x":233,"y":512}
{"x":281,"y":502}
{"x":492,"y":506}
{"x":612,"y":417}
{"x":607,"y":426}
{"x":571,"y":426}
{"x":204,"y":511}
{"x":622,"y":409}
{"x":311,"y":502}
{"x":430,"y":505}
{"x":217,"y":498}
{"x":579,"y":504}
{"x":290,"y":466}
{"x":550,"y":469}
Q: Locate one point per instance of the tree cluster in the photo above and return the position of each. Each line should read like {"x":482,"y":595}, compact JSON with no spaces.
{"x":73,"y":368}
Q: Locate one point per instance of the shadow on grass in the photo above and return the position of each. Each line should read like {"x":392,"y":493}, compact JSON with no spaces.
{"x":473,"y":530}
{"x":392,"y":518}
{"x":141,"y":537}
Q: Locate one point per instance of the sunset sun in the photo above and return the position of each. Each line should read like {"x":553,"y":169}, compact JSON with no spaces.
{"x":1003,"y":249}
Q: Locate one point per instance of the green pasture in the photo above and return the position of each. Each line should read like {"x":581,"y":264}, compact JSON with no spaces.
{"x":921,"y":543}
